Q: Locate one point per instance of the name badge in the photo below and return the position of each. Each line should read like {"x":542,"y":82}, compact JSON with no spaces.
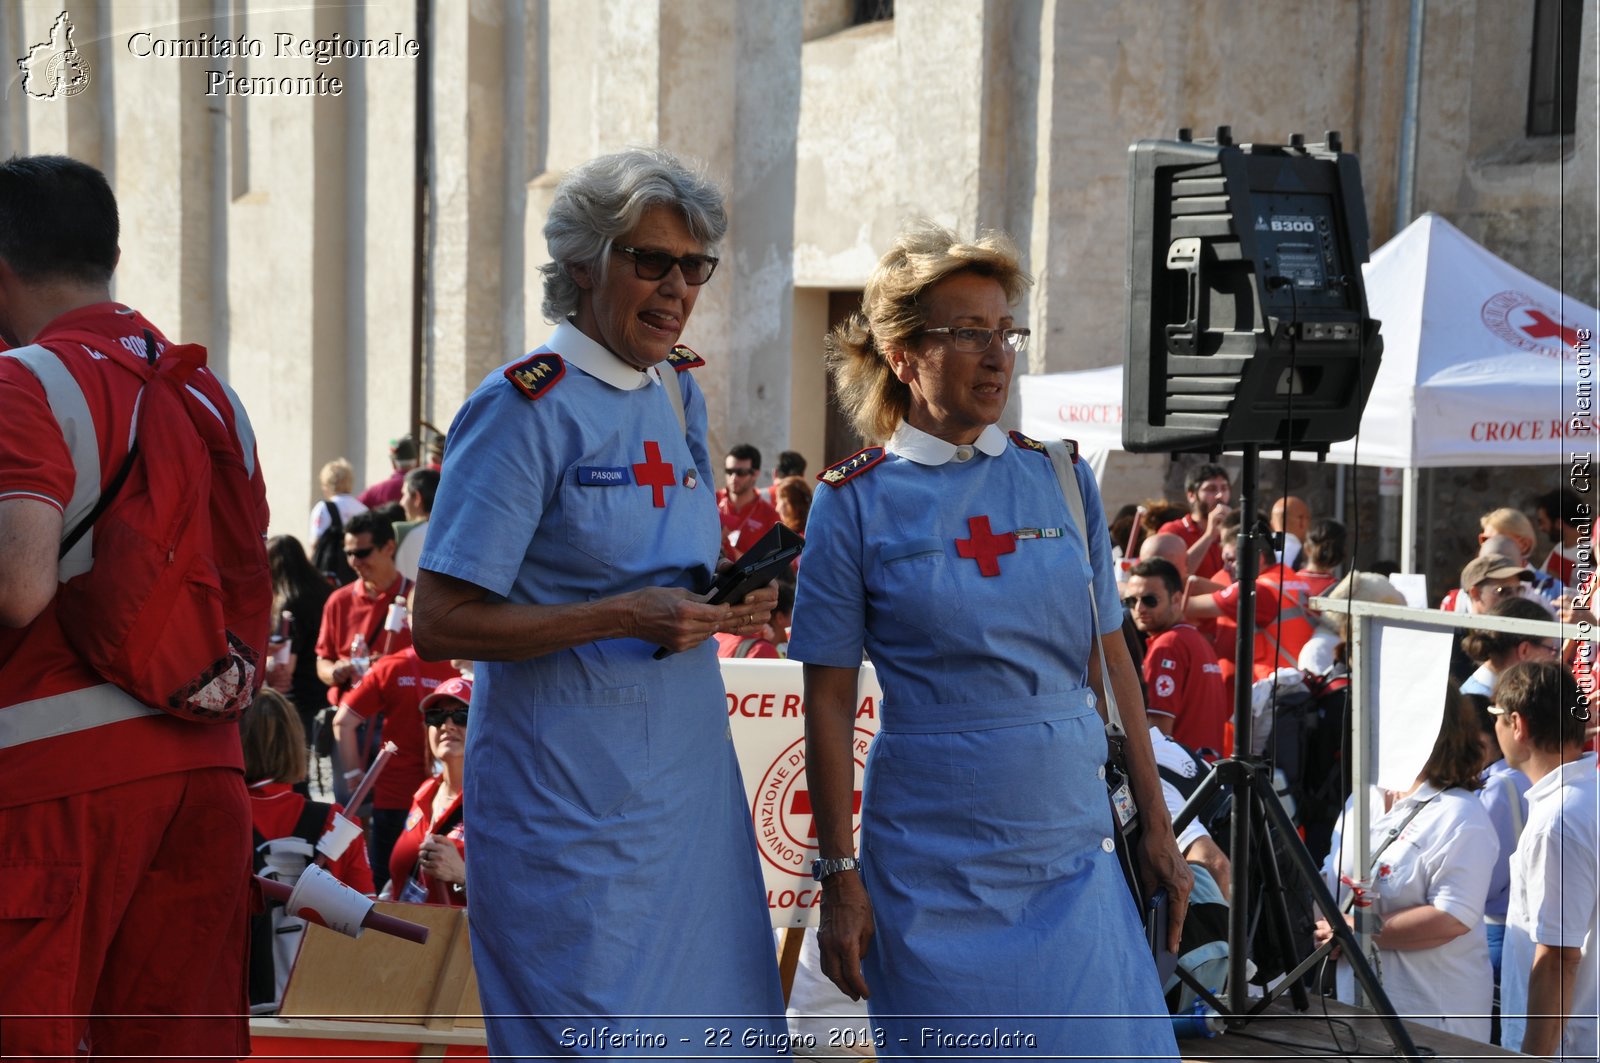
{"x":603,"y":475}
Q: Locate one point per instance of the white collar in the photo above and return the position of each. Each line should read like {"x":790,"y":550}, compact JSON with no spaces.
{"x":575,"y":347}
{"x":916,"y":445}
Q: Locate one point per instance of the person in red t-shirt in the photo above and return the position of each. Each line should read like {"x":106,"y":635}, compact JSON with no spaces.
{"x":394,"y":690}
{"x":1184,"y":693}
{"x":361,"y":607}
{"x":1206,"y":488}
{"x":746,"y":516}
{"x":1325,"y":553}
{"x":1566,"y":518}
{"x":428,"y":864}
{"x":403,"y":457}
{"x":126,"y":829}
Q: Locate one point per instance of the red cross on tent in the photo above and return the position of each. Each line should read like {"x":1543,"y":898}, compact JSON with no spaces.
{"x":800,"y":805}
{"x":1542,"y":327}
{"x":654,"y":474}
{"x":985,"y":547}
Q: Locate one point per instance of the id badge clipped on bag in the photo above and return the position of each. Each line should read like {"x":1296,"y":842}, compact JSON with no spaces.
{"x":414,"y":893}
{"x":1122,"y":802}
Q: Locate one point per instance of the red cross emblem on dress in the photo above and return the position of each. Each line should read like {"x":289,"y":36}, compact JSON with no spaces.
{"x":985,"y":547}
{"x":654,"y":473}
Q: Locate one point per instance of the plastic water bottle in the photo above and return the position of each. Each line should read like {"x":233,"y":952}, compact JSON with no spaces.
{"x":282,"y":639}
{"x":1199,"y":1021}
{"x":360,"y":658}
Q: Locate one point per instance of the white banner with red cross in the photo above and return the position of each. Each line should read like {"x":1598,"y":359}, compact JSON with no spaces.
{"x":766,"y":717}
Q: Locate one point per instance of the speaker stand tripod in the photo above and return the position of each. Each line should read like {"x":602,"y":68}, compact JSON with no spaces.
{"x":1257,"y":820}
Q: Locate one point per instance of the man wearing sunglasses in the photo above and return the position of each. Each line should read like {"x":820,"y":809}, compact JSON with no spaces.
{"x":1185,"y":698}
{"x":746,"y":516}
{"x":360,"y":608}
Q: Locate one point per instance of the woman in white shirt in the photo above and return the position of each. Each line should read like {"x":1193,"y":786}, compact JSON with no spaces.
{"x":1432,"y":848}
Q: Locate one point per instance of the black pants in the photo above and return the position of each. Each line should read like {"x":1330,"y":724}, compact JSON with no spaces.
{"x":387,"y":826}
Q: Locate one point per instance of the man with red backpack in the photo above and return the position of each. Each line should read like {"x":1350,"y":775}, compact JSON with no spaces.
{"x":126,"y":824}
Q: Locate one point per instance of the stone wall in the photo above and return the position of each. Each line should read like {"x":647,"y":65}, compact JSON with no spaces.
{"x":280,"y":230}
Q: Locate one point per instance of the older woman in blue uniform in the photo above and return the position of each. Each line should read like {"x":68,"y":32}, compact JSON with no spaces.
{"x":615,"y":876}
{"x":987,"y":913}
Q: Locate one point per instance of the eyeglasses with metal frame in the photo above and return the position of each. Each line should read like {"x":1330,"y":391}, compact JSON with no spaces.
{"x":970,"y":340}
{"x":652,"y":265}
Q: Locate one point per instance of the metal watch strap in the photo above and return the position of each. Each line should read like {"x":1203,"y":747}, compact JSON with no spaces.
{"x":821,"y":869}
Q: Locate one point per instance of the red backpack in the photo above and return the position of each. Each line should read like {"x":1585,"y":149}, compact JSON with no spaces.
{"x":177,"y":606}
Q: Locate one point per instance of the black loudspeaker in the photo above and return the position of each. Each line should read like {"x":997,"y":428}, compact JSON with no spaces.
{"x":1247,"y":315}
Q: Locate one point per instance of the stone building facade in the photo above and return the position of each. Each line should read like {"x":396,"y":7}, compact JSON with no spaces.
{"x":357,"y":261}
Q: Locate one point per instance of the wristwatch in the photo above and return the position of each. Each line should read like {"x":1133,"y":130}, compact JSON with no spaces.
{"x":821,"y":869}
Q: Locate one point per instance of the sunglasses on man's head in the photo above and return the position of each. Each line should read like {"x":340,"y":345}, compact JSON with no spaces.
{"x":746,"y":471}
{"x":437,"y":717}
{"x":1149,"y":601}
{"x":361,"y":554}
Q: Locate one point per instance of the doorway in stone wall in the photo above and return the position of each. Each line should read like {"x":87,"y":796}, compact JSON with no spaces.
{"x":840,"y":439}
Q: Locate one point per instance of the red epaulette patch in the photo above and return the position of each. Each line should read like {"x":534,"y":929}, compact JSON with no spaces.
{"x":853,"y":466}
{"x":538,"y":374}
{"x":683,"y":358}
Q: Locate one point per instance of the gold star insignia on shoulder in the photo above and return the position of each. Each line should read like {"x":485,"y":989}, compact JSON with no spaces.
{"x":683,"y":358}
{"x":1027,"y":442}
{"x":853,"y":466}
{"x":537,"y":374}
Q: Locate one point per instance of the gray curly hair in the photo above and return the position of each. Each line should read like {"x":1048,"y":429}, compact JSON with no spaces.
{"x":604,"y":199}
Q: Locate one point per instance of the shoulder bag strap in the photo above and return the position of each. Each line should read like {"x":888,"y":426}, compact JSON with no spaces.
{"x":674,"y":389}
{"x":1061,"y":451}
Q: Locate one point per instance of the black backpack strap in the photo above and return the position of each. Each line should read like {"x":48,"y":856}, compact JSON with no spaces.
{"x":313,"y":818}
{"x":449,"y":822}
{"x":259,"y":858}
{"x":335,"y":521}
{"x":106,"y":498}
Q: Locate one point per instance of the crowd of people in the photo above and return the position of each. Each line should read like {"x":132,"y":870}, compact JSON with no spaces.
{"x":519,"y":620}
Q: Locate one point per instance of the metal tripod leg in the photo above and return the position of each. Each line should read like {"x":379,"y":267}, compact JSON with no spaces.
{"x":1250,"y":788}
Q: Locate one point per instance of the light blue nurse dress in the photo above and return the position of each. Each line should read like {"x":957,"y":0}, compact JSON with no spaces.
{"x":1003,"y":925}
{"x":616,"y":899}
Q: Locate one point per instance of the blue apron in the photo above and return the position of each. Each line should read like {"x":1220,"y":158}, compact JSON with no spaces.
{"x":617,"y":901}
{"x":1004,"y":928}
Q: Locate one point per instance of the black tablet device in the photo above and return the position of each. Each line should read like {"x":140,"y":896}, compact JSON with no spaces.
{"x":760,"y":565}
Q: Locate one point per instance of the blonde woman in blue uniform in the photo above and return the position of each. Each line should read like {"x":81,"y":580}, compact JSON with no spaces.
{"x":987,"y":914}
{"x":617,"y":905}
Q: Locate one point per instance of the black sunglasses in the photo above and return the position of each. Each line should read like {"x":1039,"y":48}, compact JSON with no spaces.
{"x":360,"y":554}
{"x":651,"y":265}
{"x":1149,"y":601}
{"x":738,"y":472}
{"x":437,"y":717}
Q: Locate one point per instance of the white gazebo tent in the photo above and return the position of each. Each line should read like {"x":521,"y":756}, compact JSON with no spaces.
{"x":1482,"y":365}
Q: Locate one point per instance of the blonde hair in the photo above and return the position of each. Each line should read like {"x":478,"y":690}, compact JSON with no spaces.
{"x":338,"y":476}
{"x":1508,"y":521}
{"x":891,"y":312}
